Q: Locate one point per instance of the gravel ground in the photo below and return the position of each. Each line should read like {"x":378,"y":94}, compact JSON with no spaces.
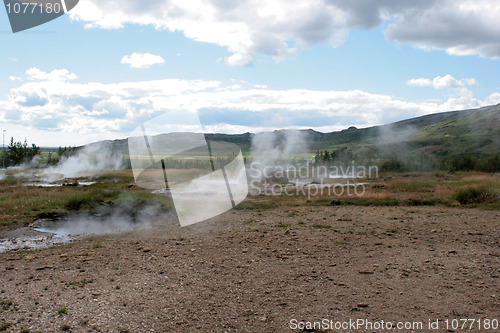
{"x":263,"y":271}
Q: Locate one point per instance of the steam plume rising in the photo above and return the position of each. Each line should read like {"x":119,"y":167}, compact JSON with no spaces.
{"x":91,"y":160}
{"x":278,"y":148}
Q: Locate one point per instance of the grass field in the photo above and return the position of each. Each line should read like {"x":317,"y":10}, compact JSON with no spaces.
{"x":21,"y":204}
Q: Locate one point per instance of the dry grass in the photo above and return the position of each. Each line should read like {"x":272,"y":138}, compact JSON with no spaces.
{"x":401,"y":189}
{"x":479,"y":177}
{"x":20,"y":205}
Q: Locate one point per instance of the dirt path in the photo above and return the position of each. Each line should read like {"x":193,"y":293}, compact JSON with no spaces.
{"x":251,"y":271}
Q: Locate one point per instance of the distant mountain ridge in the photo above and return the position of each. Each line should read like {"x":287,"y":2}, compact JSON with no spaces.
{"x":440,"y":133}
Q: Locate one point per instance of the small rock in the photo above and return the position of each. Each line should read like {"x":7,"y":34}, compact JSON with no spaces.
{"x":362,"y":305}
{"x":41,"y":268}
{"x":366,"y":271}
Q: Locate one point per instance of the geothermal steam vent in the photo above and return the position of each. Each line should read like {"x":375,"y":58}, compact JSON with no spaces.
{"x":205,"y":178}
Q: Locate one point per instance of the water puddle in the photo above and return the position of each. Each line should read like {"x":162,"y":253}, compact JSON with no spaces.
{"x":60,"y":232}
{"x":32,"y":238}
{"x":80,"y":183}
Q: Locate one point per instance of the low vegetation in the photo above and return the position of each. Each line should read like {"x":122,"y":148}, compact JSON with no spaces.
{"x":467,"y":189}
{"x":474,"y":195}
{"x":21,"y":204}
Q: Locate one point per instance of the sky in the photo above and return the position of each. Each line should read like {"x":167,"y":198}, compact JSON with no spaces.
{"x":106,"y":67}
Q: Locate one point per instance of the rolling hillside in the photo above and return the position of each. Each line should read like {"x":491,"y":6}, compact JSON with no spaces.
{"x":434,"y":137}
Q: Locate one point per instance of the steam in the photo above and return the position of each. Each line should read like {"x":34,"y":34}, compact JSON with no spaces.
{"x":45,"y":233}
{"x":394,"y":146}
{"x":91,"y":160}
{"x":391,"y":139}
{"x":278,"y":148}
{"x":32,"y":164}
{"x":118,"y":219}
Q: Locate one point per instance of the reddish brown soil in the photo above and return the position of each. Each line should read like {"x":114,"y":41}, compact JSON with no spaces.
{"x":251,"y":271}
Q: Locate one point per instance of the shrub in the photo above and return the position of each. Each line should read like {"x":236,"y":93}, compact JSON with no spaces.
{"x":489,"y":164}
{"x":392,"y":164}
{"x":474,"y":196}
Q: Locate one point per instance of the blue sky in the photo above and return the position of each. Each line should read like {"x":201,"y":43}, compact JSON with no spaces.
{"x":252,"y":65}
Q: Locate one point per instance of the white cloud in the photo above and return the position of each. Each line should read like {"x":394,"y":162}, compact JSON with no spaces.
{"x":493,"y":99}
{"x":98,"y":111}
{"x":142,"y":60}
{"x":442,"y":82}
{"x":15,"y":78}
{"x":35,"y":74}
{"x":279,"y":28}
{"x":459,"y":97}
{"x":447,"y":82}
{"x":421,"y":82}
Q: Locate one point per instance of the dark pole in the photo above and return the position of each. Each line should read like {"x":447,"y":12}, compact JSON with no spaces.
{"x":3,"y":143}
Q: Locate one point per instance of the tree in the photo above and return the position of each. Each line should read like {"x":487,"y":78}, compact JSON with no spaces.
{"x":19,"y":152}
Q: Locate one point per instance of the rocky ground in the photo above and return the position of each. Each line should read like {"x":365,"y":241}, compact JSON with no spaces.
{"x":263,"y":271}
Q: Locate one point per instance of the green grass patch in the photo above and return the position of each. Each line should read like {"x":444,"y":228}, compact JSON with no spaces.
{"x":122,"y":177}
{"x":413,"y":186}
{"x":256,"y":205}
{"x":90,"y":199}
{"x":10,"y":181}
{"x":474,"y":196}
{"x":5,"y":326}
{"x":21,"y":205}
{"x":423,"y":202}
{"x":321,"y":226}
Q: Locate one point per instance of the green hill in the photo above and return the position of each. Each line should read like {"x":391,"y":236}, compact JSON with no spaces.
{"x":432,"y":141}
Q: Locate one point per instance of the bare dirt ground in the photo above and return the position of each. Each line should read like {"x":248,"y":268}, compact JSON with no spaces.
{"x":255,"y":271}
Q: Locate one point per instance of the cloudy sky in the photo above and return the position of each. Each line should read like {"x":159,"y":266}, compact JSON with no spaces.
{"x":248,"y":65}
